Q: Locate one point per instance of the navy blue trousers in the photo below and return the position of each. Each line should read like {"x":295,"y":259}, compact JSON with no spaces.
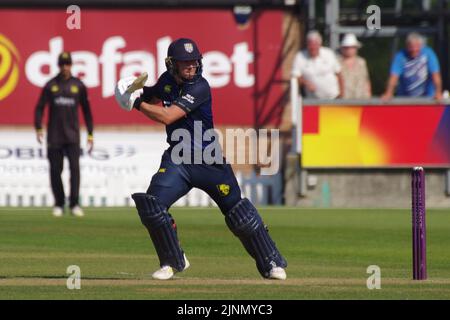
{"x":172,"y":181}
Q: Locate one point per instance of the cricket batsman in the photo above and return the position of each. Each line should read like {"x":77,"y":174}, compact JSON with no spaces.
{"x":186,"y":99}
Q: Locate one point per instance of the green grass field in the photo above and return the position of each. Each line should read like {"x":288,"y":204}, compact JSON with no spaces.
{"x":328,"y":252}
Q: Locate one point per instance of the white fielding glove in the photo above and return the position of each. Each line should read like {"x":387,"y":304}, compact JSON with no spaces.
{"x":124,"y":98}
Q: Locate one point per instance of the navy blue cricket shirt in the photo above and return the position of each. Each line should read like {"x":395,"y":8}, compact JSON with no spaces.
{"x":194,"y":98}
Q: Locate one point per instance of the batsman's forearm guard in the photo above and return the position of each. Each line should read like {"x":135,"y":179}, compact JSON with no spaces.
{"x":246,"y":224}
{"x":155,"y":218}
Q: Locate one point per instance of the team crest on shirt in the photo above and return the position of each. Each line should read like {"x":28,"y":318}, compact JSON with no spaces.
{"x":188,"y":47}
{"x":74,"y":89}
{"x":224,"y":189}
{"x":54,"y":88}
{"x":167,"y":88}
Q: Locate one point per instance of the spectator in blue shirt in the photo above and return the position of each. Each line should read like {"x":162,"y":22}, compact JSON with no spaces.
{"x":416,"y":71}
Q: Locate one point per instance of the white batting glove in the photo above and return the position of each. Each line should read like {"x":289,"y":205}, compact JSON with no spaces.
{"x":124,"y":98}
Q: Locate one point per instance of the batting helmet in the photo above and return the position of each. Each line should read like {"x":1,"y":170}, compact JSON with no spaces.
{"x":183,"y":49}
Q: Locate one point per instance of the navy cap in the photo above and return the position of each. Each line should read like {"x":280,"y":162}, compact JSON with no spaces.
{"x":184,"y":49}
{"x":64,"y":58}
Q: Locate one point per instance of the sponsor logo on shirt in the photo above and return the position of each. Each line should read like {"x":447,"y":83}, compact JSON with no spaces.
{"x":65,"y":101}
{"x":188,"y":98}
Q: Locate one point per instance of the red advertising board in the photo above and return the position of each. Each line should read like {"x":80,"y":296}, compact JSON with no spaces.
{"x":115,"y":43}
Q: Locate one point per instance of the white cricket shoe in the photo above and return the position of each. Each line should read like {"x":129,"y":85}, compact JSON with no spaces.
{"x":77,"y":211}
{"x":57,"y":211}
{"x":167,"y":272}
{"x":277,"y":273}
{"x":186,"y":263}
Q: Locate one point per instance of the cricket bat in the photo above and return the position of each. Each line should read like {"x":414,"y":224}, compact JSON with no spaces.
{"x":138,"y":83}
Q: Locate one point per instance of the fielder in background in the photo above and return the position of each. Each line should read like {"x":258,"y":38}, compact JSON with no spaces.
{"x":186,"y":99}
{"x":63,"y":94}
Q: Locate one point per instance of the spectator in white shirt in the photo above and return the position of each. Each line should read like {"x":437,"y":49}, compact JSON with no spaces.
{"x":318,"y":70}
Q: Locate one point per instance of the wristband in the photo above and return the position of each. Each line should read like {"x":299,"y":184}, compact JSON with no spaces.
{"x":137,"y":104}
{"x":90,"y":137}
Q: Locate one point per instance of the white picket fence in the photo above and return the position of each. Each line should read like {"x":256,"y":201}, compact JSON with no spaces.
{"x":129,"y":160}
{"x":96,"y":191}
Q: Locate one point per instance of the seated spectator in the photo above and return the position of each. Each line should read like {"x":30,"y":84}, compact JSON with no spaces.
{"x":416,"y":71}
{"x":318,"y":69}
{"x":354,"y":69}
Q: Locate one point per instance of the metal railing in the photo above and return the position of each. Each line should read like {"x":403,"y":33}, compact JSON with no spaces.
{"x":28,"y":191}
